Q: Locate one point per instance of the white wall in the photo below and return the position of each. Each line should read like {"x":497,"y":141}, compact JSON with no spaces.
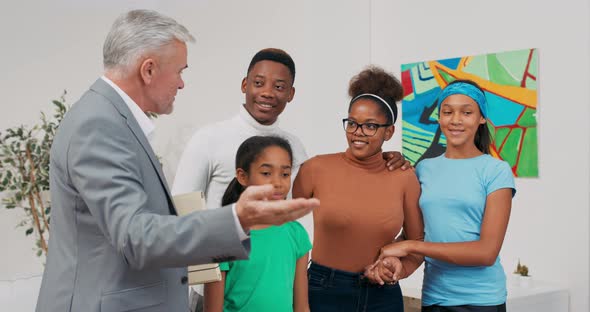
{"x":53,"y":46}
{"x":549,"y":223}
{"x":49,"y":47}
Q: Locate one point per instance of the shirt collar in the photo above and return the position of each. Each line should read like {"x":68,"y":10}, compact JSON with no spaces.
{"x":245,"y":116}
{"x":146,"y":125}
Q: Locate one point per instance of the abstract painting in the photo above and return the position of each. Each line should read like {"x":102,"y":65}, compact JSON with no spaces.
{"x":509,"y":80}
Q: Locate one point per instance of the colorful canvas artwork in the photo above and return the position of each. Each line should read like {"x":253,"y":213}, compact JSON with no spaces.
{"x":509,"y":80}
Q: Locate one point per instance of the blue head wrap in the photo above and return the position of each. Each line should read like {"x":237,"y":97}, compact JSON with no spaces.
{"x":466,"y":89}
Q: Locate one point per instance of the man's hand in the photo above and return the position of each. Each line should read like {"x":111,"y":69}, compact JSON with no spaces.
{"x":254,"y":208}
{"x":396,"y":160}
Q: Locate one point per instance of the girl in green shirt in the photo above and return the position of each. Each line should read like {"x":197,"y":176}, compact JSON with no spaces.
{"x":274,"y":278}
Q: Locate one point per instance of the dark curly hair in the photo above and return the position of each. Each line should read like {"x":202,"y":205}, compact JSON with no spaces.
{"x":377,"y":81}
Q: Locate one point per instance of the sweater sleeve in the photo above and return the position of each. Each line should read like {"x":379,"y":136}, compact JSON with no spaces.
{"x":413,"y":222}
{"x":194,"y":169}
{"x":303,"y":185}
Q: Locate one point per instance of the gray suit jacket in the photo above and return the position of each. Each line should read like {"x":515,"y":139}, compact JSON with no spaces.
{"x":116,"y":243}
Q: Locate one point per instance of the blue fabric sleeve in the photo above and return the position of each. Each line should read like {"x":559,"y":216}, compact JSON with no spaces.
{"x":500,"y":177}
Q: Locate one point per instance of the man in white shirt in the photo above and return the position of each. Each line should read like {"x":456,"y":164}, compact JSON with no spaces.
{"x":116,"y":243}
{"x":208,"y":161}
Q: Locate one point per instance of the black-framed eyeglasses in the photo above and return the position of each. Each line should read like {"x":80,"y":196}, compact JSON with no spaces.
{"x":368,"y":128}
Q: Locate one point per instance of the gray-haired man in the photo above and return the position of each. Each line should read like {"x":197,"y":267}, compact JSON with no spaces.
{"x":116,"y":242}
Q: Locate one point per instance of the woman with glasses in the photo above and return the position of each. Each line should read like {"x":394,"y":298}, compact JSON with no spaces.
{"x":363,"y":205}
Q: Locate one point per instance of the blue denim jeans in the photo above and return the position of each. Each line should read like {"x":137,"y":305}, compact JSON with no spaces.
{"x":465,"y":308}
{"x":332,"y":290}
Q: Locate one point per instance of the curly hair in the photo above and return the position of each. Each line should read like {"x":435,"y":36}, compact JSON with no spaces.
{"x":375,"y":80}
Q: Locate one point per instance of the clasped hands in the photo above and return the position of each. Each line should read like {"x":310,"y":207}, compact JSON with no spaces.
{"x":388,"y":268}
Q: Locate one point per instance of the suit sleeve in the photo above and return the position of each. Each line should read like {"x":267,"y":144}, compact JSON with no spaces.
{"x":194,"y":169}
{"x":104,"y":165}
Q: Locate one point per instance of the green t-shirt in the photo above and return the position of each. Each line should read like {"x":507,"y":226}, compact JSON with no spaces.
{"x":265,"y":281}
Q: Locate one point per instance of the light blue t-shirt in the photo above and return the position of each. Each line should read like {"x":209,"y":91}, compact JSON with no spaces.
{"x":453,"y":199}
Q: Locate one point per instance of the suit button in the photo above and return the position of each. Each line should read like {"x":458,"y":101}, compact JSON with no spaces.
{"x":184,"y":280}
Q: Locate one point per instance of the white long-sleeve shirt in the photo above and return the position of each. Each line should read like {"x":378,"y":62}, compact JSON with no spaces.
{"x":208,"y":161}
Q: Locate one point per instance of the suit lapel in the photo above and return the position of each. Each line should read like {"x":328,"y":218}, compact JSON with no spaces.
{"x":100,"y":86}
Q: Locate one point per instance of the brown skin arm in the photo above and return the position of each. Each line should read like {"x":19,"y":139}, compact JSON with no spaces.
{"x":389,"y":269}
{"x":413,"y":227}
{"x":482,"y":252}
{"x":396,"y":160}
{"x":213,"y":295}
{"x":300,"y":301}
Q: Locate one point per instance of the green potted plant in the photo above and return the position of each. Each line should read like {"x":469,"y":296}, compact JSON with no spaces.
{"x":525,"y":279}
{"x":522,"y":276}
{"x":24,"y":172}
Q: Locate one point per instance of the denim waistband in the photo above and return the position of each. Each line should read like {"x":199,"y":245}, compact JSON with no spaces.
{"x":330,"y":274}
{"x":328,"y":270}
{"x":327,"y":277}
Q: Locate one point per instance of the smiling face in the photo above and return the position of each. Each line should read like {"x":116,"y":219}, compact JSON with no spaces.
{"x":268,"y":88}
{"x":459,"y":120}
{"x":361,"y":145}
{"x":272,"y":166}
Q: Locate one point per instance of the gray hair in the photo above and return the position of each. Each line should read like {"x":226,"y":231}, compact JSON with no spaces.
{"x":137,"y":32}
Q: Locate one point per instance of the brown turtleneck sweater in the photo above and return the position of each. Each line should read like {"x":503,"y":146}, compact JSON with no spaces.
{"x":363,"y":206}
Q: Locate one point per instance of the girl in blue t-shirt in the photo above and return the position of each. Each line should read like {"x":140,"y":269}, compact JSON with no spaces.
{"x":274,"y":278}
{"x":466,"y":200}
